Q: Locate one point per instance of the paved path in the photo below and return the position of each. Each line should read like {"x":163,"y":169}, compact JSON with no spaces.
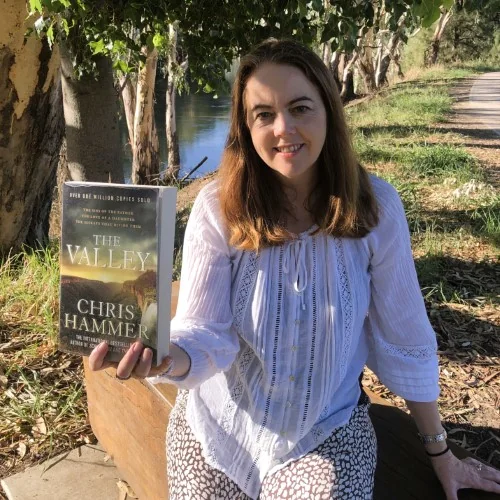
{"x":484,"y":101}
{"x":82,"y":474}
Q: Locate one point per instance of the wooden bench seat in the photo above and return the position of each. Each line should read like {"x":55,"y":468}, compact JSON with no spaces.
{"x":129,"y":418}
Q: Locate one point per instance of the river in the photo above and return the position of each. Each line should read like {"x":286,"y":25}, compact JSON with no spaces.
{"x":202,"y":126}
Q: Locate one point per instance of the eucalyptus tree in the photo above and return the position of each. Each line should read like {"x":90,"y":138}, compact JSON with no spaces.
{"x":472,"y":23}
{"x":31,"y":130}
{"x":367,"y":34}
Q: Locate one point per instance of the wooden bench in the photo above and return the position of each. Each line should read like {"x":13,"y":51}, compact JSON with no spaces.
{"x":129,"y":418}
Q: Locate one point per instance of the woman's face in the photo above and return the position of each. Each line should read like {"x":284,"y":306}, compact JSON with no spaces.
{"x":287,"y":121}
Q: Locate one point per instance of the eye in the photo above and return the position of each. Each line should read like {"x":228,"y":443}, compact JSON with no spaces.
{"x":264,"y":115}
{"x":300,"y":109}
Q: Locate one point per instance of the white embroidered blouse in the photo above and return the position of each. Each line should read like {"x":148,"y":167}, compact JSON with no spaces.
{"x":278,"y":339}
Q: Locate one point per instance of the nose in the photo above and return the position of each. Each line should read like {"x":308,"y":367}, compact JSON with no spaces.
{"x":284,"y":125}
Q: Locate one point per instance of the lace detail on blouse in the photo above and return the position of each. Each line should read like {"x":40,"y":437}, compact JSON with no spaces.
{"x":346,"y":299}
{"x":244,"y":290}
{"x":274,"y":371}
{"x":231,"y":404}
{"x":317,"y":434}
{"x":314,"y":326}
{"x":407,"y":351}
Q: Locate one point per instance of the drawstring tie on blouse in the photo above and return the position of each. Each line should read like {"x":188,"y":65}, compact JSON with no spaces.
{"x":294,"y":264}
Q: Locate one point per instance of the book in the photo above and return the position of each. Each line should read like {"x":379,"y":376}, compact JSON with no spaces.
{"x":116,"y":263}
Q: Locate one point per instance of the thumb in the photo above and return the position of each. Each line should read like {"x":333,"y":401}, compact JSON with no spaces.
{"x":163,"y":368}
{"x":451,"y":494}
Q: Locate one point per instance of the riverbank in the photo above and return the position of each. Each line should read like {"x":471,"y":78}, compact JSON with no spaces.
{"x":411,"y":134}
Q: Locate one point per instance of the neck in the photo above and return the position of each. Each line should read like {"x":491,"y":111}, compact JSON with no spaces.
{"x":298,"y":219}
{"x":298,"y":189}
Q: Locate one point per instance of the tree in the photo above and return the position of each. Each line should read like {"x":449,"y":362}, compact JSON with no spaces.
{"x":31,"y":130}
{"x":146,"y":162}
{"x":90,"y":104}
{"x":433,"y":51}
{"x":370,"y":33}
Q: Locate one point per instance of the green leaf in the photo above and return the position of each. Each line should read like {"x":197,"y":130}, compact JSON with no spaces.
{"x":121,"y":66}
{"x":158,"y":40}
{"x":97,"y":47}
{"x":429,"y":11}
{"x":35,"y":6}
{"x":65,"y":26}
{"x":50,"y":35}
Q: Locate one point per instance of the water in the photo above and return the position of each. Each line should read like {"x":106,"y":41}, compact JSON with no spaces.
{"x":202,"y":126}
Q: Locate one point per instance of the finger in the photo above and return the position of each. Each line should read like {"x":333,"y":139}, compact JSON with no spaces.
{"x":482,"y":470}
{"x":162,"y":368}
{"x":490,"y":473}
{"x":96,"y":358}
{"x":144,"y":364}
{"x":486,"y":485}
{"x":129,"y":360}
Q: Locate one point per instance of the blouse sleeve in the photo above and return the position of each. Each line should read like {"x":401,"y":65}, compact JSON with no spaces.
{"x":402,"y":341}
{"x":203,"y":322}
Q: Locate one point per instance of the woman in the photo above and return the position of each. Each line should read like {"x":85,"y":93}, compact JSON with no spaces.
{"x":297,"y":271}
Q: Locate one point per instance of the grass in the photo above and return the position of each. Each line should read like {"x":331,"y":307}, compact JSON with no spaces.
{"x":454,"y":221}
{"x":487,"y":220}
{"x":441,"y":161}
{"x":29,"y":292}
{"x":42,"y":399}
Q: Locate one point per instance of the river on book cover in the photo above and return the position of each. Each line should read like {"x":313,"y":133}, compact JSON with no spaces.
{"x":108,"y":268}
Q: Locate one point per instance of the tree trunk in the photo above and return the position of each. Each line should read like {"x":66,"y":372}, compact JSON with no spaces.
{"x":334,"y":67}
{"x":327,"y":54}
{"x":365,"y":68}
{"x":432,"y":53}
{"x":31,"y":131}
{"x":388,"y":54}
{"x":174,"y":159}
{"x":128,"y":87}
{"x":93,"y":143}
{"x":347,"y":92}
{"x":146,"y":162}
{"x":364,"y":62}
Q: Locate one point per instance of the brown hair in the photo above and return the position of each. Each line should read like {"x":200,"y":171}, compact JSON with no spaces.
{"x":252,"y":196}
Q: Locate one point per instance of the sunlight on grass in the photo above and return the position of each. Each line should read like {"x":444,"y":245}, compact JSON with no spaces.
{"x":403,"y":110}
{"x":442,"y":161}
{"x":29,"y":291}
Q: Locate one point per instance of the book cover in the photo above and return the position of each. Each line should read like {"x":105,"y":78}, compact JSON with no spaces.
{"x":112,"y":275}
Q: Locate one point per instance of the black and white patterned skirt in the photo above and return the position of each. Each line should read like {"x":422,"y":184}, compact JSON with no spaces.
{"x":341,"y":468}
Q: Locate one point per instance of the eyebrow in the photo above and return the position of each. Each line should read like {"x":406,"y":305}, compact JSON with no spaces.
{"x":293,"y":101}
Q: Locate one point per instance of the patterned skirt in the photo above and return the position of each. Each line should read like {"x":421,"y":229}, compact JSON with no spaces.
{"x":341,"y":468}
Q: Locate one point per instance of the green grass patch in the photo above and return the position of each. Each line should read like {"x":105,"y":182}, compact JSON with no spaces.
{"x":447,"y":74}
{"x":403,"y":110}
{"x":487,"y":221}
{"x":29,"y":291}
{"x":441,"y":161}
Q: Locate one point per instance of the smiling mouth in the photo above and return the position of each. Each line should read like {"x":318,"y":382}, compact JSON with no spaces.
{"x":289,"y":149}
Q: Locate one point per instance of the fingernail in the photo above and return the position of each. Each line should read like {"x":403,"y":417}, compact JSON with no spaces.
{"x":137,"y":347}
{"x":101,"y":346}
{"x":147,"y":354}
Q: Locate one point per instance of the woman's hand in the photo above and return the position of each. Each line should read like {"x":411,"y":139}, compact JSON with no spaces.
{"x":455,"y":474}
{"x":137,"y":361}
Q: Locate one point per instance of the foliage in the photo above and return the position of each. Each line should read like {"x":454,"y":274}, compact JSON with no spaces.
{"x":213,"y":33}
{"x":469,"y":35}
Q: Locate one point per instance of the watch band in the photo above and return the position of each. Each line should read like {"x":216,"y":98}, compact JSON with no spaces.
{"x":433,"y":438}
